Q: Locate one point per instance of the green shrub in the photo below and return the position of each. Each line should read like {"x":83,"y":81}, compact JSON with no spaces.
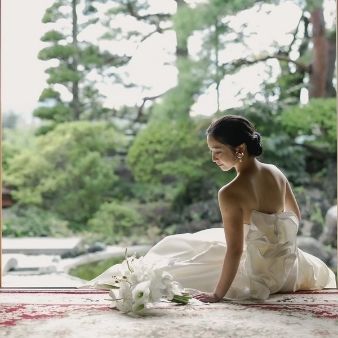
{"x":92,"y":270}
{"x":69,"y":171}
{"x":21,"y":221}
{"x":167,"y":151}
{"x":113,"y":222}
{"x":314,"y":124}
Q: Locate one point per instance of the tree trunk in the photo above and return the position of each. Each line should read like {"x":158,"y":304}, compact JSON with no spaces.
{"x":182,"y":43}
{"x":217,"y":66}
{"x":319,"y":66}
{"x":330,"y":90}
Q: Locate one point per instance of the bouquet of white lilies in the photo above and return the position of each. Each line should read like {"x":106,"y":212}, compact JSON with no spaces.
{"x":139,"y":284}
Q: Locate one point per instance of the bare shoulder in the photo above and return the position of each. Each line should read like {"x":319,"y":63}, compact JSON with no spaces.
{"x":230,"y":204}
{"x":230,"y":194}
{"x":274,"y":170}
{"x":272,"y":167}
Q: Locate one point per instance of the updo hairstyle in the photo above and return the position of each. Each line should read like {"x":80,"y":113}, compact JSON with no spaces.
{"x":233,"y":130}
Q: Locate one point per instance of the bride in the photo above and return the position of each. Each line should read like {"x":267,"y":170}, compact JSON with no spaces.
{"x":255,"y":254}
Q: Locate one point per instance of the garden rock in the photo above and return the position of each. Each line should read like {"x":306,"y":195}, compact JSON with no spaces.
{"x":329,"y":235}
{"x":314,"y":247}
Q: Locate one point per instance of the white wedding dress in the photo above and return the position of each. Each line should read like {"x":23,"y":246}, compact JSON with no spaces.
{"x":270,"y":263}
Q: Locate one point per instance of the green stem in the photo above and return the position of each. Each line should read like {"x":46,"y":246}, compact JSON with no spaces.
{"x":181,"y":299}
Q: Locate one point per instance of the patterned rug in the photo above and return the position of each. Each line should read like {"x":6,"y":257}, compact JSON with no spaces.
{"x":321,"y":304}
{"x":20,"y":305}
{"x":28,"y":304}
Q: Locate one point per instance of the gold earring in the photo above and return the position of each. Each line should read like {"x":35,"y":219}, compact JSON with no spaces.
{"x":239,"y":156}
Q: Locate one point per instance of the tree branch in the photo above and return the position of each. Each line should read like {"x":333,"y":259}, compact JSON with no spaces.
{"x":144,"y":100}
{"x":295,"y":33}
{"x":241,"y":62}
{"x":157,"y":30}
{"x":158,"y":16}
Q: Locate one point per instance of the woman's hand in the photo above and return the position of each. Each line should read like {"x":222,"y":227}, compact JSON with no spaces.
{"x":207,"y":297}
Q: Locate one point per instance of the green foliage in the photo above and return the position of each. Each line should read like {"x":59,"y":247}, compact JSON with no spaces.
{"x":290,"y":85}
{"x":318,"y":220}
{"x":92,"y":270}
{"x":313,"y":4}
{"x":278,"y":150}
{"x":146,"y":192}
{"x":223,"y":7}
{"x":44,"y":129}
{"x":53,"y":13}
{"x":53,"y":36}
{"x":114,"y":221}
{"x":49,"y":93}
{"x":57,"y":52}
{"x":69,"y":171}
{"x":20,"y":221}
{"x":58,"y":113}
{"x":76,"y":59}
{"x":186,"y":20}
{"x":167,"y":151}
{"x":62,"y":74}
{"x":314,"y":123}
{"x":13,"y":141}
{"x":91,"y":55}
{"x":177,"y":102}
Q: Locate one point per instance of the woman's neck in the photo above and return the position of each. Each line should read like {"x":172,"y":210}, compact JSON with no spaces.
{"x":249,"y":164}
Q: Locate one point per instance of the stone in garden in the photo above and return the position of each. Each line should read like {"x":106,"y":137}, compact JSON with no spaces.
{"x":329,"y":235}
{"x":314,"y":247}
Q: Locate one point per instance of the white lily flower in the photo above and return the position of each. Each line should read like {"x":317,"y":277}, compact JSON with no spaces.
{"x":173,"y":289}
{"x":125,"y":305}
{"x":156,"y":294}
{"x":158,"y":279}
{"x":141,"y":282}
{"x":124,"y":301}
{"x":124,"y":290}
{"x":138,"y":307}
{"x":141,"y":292}
{"x":112,"y":295}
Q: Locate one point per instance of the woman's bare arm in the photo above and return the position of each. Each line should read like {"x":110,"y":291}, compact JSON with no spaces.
{"x":290,"y":201}
{"x":232,"y":216}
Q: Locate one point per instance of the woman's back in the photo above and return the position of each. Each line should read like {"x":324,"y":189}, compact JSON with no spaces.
{"x":263,"y":188}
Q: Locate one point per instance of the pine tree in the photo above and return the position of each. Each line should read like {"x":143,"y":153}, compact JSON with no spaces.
{"x":71,"y":94}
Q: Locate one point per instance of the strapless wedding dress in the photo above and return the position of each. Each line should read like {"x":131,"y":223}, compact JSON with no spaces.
{"x":270,"y":263}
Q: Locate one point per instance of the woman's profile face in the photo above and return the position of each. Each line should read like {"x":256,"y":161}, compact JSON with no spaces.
{"x":221,"y":154}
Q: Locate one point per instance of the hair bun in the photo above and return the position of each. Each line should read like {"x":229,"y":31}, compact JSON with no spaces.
{"x":257,"y":135}
{"x":234,"y":130}
{"x":255,"y":145}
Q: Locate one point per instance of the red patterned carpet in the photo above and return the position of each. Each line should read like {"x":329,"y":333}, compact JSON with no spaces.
{"x":321,"y":304}
{"x":22,"y":307}
{"x":25,"y":304}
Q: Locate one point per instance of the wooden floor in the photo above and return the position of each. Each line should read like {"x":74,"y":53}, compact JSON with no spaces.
{"x":71,"y":312}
